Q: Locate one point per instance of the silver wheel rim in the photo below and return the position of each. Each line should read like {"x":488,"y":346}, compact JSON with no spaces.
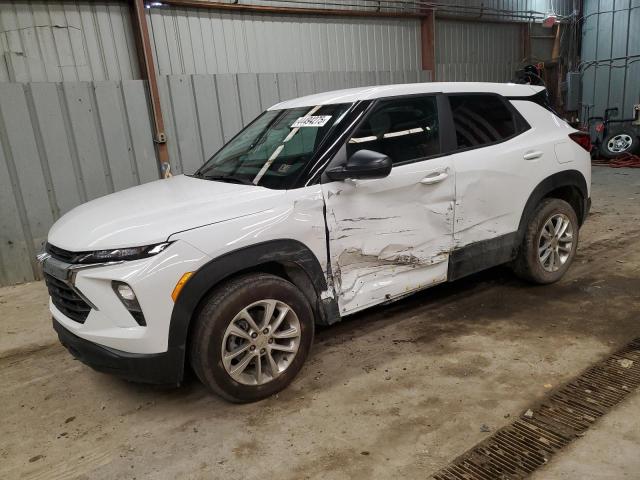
{"x":261,"y":342}
{"x":555,"y":242}
{"x":620,"y":143}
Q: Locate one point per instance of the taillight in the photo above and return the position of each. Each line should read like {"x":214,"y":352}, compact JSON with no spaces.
{"x":599,"y":127}
{"x":581,"y":138}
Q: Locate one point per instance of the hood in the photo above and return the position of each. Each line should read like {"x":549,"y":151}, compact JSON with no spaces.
{"x":150,"y":213}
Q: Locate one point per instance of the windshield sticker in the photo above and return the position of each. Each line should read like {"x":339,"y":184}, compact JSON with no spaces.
{"x":311,"y":121}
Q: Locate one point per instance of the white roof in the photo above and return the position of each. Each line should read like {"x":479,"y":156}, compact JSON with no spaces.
{"x":351,"y":95}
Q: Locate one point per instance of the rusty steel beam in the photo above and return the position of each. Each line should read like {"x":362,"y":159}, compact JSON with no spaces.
{"x":236,"y":7}
{"x":428,"y":41}
{"x":148,"y":70}
{"x":515,"y":20}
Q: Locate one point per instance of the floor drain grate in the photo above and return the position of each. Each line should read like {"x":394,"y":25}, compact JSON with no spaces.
{"x":513,"y":452}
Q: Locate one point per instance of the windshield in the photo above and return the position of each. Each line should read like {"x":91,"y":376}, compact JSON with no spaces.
{"x":274,"y":149}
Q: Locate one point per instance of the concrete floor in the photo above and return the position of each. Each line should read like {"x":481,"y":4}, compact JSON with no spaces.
{"x":395,"y":392}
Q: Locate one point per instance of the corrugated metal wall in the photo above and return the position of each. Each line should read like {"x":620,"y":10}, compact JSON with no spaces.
{"x":259,"y":43}
{"x":61,"y":145}
{"x":610,"y":56}
{"x":467,"y":51}
{"x":250,"y":42}
{"x":43,"y":41}
{"x":68,"y":40}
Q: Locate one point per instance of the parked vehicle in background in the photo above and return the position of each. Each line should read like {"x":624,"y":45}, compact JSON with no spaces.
{"x":614,"y":137}
{"x":322,"y":207}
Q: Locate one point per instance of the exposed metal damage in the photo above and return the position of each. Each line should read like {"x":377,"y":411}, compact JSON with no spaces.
{"x":387,"y":241}
{"x":357,"y":269}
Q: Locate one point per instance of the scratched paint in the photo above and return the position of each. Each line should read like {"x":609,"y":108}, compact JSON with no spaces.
{"x":294,"y":214}
{"x":493,"y":184}
{"x":389,"y":237}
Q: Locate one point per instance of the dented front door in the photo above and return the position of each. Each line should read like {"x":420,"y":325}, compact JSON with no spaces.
{"x":391,"y":236}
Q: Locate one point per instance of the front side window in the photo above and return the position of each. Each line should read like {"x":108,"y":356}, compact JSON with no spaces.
{"x":274,"y":149}
{"x":404,"y":129}
{"x":481,"y":120}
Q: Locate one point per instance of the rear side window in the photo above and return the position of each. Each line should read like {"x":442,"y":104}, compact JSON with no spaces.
{"x":403,"y":129}
{"x":481,"y":120}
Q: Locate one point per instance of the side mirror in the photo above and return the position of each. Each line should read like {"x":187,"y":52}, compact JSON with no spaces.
{"x":362,"y":165}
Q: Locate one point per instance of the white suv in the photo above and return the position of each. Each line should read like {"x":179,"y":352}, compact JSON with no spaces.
{"x":323,"y":206}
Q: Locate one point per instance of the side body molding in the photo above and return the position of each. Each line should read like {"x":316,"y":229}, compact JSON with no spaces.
{"x":297,"y":261}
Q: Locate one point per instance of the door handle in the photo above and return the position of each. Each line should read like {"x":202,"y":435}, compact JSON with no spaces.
{"x":434,"y":178}
{"x":532,"y":155}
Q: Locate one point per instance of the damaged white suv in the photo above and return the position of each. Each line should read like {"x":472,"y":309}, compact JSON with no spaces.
{"x":323,"y":206}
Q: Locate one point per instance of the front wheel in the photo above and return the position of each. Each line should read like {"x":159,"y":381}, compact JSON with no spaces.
{"x":251,"y":337}
{"x":549,"y":243}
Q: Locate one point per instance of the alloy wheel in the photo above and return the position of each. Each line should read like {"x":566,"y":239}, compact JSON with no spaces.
{"x":555,"y":242}
{"x":261,"y":342}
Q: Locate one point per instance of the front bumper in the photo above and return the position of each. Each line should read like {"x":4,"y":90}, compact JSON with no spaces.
{"x":106,"y":321}
{"x":159,"y":368}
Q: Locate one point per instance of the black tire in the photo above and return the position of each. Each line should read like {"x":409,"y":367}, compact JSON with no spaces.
{"x":215,"y":315}
{"x":527,"y":264}
{"x":608,"y":145}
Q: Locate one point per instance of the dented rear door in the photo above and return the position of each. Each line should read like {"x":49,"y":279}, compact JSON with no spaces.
{"x":389,"y":237}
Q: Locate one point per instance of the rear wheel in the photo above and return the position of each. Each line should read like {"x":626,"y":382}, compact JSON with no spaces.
{"x":251,"y":337}
{"x":549,"y":244}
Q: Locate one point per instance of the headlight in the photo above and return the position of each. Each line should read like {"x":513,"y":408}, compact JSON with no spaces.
{"x":120,"y":254}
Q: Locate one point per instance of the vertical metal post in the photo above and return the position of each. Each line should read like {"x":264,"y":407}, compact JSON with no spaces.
{"x":595,"y":66}
{"x":555,"y":51}
{"x":148,"y":70}
{"x":525,"y":31}
{"x":626,"y":68}
{"x":428,"y":35}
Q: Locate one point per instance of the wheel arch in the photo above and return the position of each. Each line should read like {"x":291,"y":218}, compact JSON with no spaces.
{"x":286,"y":258}
{"x":568,"y":185}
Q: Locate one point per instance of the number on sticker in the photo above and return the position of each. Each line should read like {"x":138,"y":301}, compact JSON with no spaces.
{"x":311,"y":121}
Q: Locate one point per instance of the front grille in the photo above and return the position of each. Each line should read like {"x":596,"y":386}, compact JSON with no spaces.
{"x":60,"y":254}
{"x":67,"y":300}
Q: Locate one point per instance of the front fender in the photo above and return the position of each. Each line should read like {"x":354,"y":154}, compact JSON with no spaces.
{"x":283,"y":251}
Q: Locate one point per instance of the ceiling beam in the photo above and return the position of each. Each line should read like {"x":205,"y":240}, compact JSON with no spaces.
{"x":237,"y":7}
